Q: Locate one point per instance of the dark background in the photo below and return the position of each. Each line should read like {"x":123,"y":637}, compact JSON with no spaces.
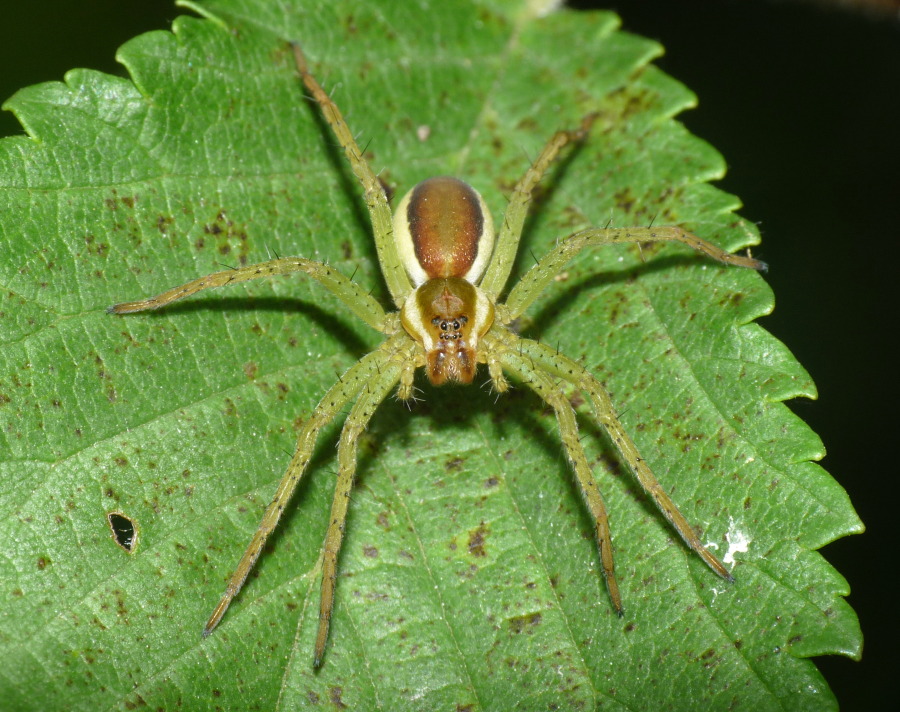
{"x":804,"y":103}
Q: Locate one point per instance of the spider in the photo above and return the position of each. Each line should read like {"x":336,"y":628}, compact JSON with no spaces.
{"x":445,"y":270}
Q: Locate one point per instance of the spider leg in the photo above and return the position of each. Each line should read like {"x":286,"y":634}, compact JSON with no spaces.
{"x":360,"y":302}
{"x":376,"y":200}
{"x":552,"y":361}
{"x":370,"y":397}
{"x":538,"y":277}
{"x":511,"y":230}
{"x":347,"y":388}
{"x":536,"y":377}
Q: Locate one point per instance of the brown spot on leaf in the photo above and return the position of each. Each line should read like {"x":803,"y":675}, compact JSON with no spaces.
{"x":163,"y":223}
{"x":477,"y":541}
{"x":525,"y":623}
{"x":334,"y":694}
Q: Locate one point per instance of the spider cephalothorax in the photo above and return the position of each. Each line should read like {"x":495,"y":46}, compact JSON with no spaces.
{"x":448,"y":316}
{"x":445,"y":271}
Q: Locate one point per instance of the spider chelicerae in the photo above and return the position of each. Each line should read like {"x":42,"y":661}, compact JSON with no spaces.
{"x":445,"y":270}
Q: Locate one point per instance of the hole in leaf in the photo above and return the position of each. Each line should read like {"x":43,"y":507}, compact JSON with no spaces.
{"x":124,"y":530}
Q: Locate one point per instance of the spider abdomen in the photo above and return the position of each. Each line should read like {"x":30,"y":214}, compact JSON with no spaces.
{"x":442,"y":228}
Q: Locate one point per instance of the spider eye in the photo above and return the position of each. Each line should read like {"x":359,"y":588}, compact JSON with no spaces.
{"x":443,"y":228}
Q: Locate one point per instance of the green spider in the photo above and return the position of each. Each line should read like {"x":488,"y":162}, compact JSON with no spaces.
{"x":445,"y":271}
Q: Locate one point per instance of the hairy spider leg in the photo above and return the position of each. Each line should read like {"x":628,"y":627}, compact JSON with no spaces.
{"x":367,"y":371}
{"x":510,"y":232}
{"x":559,"y":365}
{"x":538,"y":277}
{"x":376,"y":200}
{"x":360,"y":302}
{"x":374,"y":392}
{"x":533,"y":375}
{"x":380,"y":369}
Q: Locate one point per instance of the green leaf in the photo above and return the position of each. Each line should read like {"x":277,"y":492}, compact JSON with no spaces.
{"x":469,"y":578}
